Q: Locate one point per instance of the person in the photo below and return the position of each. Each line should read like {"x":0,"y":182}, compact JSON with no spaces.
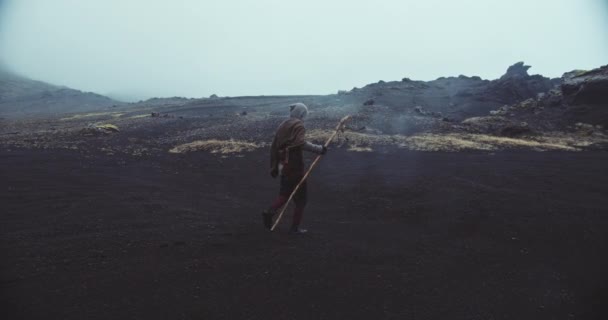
{"x":287,"y":161}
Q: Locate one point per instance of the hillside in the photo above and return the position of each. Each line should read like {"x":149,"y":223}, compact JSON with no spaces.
{"x":531,"y":108}
{"x":456,"y":97}
{"x":20,"y":96}
{"x":579,"y":104}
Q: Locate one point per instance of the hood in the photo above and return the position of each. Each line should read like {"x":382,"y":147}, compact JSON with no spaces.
{"x":298,"y":110}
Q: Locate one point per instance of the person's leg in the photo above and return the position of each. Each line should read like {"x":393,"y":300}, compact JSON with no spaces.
{"x":298,"y":212}
{"x":285,"y":190}
{"x":279,"y":201}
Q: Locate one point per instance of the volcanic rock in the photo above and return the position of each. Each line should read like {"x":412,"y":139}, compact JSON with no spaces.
{"x":588,"y":87}
{"x":517,"y":70}
{"x":369,"y":102}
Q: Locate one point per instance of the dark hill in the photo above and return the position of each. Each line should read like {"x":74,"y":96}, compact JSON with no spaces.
{"x":456,"y":97}
{"x":580,"y":103}
{"x":20,"y":96}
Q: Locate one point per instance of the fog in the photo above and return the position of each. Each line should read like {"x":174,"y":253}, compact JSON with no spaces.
{"x":138,"y":49}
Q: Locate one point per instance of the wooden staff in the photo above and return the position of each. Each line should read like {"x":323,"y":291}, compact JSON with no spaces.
{"x":314,"y":163}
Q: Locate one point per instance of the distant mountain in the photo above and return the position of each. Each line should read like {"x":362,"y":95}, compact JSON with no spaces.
{"x":20,"y":96}
{"x":13,"y":86}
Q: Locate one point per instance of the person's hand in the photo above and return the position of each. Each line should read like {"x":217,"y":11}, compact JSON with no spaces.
{"x":324,"y":150}
{"x":274,"y":172}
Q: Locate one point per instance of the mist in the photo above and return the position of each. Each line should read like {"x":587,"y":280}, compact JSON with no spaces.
{"x":137,"y":49}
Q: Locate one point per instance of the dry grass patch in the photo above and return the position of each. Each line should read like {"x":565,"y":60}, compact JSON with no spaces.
{"x":439,"y":142}
{"x":357,"y":141}
{"x":573,"y":140}
{"x":217,"y":146}
{"x":139,"y":116}
{"x":89,"y":115}
{"x":352,"y":138}
{"x":360,"y":149}
{"x":547,"y":144}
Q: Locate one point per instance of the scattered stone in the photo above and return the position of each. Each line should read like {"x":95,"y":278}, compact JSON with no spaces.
{"x":217,"y":146}
{"x":369,"y":102}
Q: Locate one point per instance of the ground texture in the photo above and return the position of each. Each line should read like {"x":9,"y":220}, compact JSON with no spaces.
{"x":394,"y":234}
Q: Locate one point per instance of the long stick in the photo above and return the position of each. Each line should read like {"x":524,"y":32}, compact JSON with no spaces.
{"x":314,"y":163}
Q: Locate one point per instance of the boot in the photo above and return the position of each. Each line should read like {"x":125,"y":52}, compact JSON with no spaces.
{"x":297,"y":230}
{"x":267,"y":217}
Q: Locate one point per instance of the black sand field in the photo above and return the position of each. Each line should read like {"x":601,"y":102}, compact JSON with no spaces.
{"x":393,"y":235}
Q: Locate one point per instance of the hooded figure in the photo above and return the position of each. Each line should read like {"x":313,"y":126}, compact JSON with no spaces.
{"x":287,"y":160}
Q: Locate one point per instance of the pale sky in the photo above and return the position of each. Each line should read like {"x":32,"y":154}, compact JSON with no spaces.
{"x":146,"y":48}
